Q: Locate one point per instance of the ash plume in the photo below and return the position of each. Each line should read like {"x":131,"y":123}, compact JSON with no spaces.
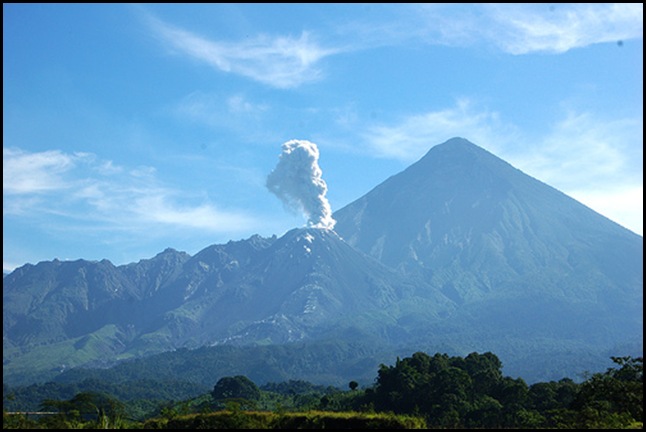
{"x":296,"y":181}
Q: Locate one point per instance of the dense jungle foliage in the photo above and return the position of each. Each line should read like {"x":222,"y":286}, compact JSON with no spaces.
{"x":438,"y":391}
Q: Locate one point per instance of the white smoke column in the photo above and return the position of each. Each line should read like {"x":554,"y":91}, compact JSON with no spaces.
{"x":297,"y":181}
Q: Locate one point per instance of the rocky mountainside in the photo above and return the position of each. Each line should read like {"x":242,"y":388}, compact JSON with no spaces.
{"x":301,"y":286}
{"x":306,"y":285}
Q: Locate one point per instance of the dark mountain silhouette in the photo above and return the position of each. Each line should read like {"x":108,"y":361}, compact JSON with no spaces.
{"x":460,"y":252}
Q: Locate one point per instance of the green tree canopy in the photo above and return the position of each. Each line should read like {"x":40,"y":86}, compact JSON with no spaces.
{"x":236,"y":387}
{"x":451,"y":391}
{"x":616,"y":393}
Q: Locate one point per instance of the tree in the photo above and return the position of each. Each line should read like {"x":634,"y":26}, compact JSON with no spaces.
{"x":237,"y":387}
{"x":484,"y":370}
{"x":449,"y":391}
{"x":613,"y":397}
{"x":353,"y":385}
{"x":553,"y":395}
{"x":105,"y":410}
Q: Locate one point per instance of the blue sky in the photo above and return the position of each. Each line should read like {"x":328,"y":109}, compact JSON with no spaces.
{"x":128,"y":129}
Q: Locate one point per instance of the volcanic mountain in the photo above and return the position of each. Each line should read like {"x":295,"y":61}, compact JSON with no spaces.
{"x":306,"y":285}
{"x":460,"y":252}
{"x":524,"y":262}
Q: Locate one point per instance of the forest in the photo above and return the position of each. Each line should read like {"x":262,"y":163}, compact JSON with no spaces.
{"x":416,"y":392}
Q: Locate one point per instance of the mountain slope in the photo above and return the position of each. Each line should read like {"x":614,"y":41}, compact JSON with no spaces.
{"x":304,"y":285}
{"x":307,"y":285}
{"x":61,"y":314}
{"x":523,"y":260}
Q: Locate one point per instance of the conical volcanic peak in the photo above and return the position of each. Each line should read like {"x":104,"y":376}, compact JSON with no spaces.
{"x":456,"y":194}
{"x":523,"y":261}
{"x":457,"y":166}
{"x":454,"y":146}
{"x":455,"y":186}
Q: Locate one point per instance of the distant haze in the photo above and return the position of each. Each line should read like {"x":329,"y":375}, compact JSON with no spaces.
{"x":297,"y":181}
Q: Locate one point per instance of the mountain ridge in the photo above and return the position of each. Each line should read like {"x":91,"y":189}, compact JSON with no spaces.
{"x":304,"y":285}
{"x":459,"y":252}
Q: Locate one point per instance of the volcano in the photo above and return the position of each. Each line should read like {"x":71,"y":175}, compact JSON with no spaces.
{"x":532,"y":270}
{"x":460,"y":252}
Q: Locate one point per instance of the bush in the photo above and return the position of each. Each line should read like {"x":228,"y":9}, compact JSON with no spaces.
{"x":308,"y":420}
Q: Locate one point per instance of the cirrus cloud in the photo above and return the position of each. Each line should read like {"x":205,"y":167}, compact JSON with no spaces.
{"x":278,"y":61}
{"x":79,"y":186}
{"x":525,"y":29}
{"x":514,"y":28}
{"x":410,"y":138}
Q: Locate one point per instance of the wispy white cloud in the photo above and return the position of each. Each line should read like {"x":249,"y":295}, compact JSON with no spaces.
{"x":518,"y":28}
{"x":80,"y":187}
{"x":287,"y":61}
{"x":582,"y":148}
{"x":206,"y":217}
{"x":521,"y":29}
{"x":597,"y":161}
{"x":25,"y":173}
{"x":278,"y":61}
{"x":411,"y":137}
